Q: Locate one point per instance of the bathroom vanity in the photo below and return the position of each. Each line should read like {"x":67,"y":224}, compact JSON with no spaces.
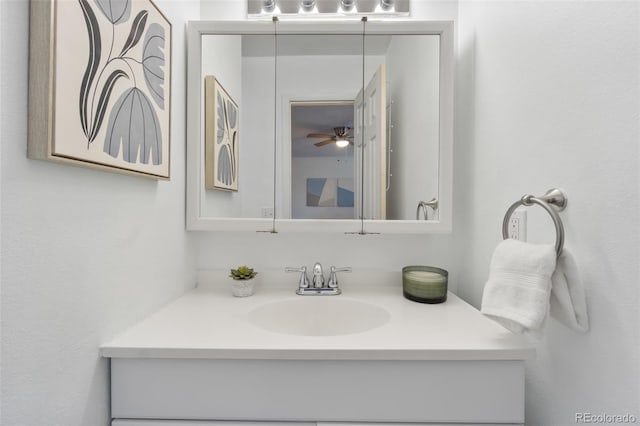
{"x":365,"y":356}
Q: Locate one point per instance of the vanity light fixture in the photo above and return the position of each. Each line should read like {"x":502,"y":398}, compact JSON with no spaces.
{"x":331,"y":9}
{"x":342,"y":143}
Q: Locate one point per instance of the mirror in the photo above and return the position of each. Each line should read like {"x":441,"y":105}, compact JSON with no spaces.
{"x":321,"y":159}
{"x":319,"y":76}
{"x":231,"y":160}
{"x":386,"y":97}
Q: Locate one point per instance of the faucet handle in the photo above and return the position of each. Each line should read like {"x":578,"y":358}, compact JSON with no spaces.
{"x":333,"y":277}
{"x":304,"y":280}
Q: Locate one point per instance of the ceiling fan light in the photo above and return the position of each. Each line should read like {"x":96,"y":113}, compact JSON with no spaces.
{"x":341,"y":143}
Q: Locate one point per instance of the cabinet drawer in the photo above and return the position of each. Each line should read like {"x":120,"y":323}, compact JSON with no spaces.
{"x":309,"y":391}
{"x":220,"y":423}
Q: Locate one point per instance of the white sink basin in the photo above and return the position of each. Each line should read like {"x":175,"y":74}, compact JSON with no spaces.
{"x":319,"y":316}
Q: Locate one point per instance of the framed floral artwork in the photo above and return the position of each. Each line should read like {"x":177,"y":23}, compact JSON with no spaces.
{"x":100,"y":85}
{"x":221,"y":137}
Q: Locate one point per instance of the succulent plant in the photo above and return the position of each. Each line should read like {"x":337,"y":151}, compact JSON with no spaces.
{"x":242,"y":273}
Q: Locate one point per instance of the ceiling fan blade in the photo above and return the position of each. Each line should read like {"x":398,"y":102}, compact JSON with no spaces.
{"x":324,"y":142}
{"x":319,"y":135}
{"x":348,"y":132}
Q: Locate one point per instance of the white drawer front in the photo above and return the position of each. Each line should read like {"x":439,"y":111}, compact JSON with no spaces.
{"x":330,"y":391}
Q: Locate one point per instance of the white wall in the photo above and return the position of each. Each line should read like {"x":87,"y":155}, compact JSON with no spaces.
{"x":414,"y":90}
{"x":85,"y":253}
{"x":256,"y":135}
{"x":223,"y":9}
{"x":548,"y":95}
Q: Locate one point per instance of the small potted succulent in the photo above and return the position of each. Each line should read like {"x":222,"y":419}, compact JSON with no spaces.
{"x":242,"y":284}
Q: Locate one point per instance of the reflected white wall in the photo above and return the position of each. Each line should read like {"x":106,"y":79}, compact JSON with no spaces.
{"x":413,"y":88}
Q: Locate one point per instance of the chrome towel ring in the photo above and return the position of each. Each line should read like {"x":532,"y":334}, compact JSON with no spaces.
{"x":554,"y":197}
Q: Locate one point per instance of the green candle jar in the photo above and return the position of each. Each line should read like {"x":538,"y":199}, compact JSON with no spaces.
{"x":424,"y":284}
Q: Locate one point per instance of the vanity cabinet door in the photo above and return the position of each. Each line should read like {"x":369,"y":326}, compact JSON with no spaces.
{"x":120,"y":422}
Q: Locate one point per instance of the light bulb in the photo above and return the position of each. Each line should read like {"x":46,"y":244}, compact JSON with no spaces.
{"x":268,"y":6}
{"x":385,"y":6}
{"x":308,"y":6}
{"x":341,"y":143}
{"x":347,"y":6}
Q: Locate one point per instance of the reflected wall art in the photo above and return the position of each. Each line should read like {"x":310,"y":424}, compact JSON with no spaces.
{"x":221,"y":137}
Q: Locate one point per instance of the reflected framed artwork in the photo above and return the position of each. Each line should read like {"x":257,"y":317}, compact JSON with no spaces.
{"x":221,"y":137}
{"x":330,"y":192}
{"x":100,"y":85}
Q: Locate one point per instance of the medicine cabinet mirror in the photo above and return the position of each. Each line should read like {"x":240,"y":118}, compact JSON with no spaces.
{"x":341,"y":126}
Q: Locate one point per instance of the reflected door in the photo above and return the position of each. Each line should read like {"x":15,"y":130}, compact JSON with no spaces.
{"x":370,"y":155}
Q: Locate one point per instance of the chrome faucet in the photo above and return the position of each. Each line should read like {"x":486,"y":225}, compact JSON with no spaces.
{"x":318,"y":285}
{"x":318,"y":276}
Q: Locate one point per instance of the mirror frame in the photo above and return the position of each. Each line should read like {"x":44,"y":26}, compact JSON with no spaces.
{"x":195,"y":127}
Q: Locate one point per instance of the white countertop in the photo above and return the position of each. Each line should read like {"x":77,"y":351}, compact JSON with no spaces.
{"x":208,"y":322}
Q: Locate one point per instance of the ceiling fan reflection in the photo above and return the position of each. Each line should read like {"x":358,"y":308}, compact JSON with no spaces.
{"x":342,"y":137}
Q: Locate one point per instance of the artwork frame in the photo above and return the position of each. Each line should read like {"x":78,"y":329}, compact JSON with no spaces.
{"x":100,"y":85}
{"x":222,"y":141}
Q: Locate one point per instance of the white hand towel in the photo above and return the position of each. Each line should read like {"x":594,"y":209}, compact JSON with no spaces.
{"x":517,"y":292}
{"x":568,"y":301}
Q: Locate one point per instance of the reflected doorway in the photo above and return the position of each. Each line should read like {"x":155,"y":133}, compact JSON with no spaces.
{"x":322,"y":160}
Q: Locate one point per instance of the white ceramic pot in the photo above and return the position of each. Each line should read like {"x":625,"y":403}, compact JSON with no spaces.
{"x":242,"y":288}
